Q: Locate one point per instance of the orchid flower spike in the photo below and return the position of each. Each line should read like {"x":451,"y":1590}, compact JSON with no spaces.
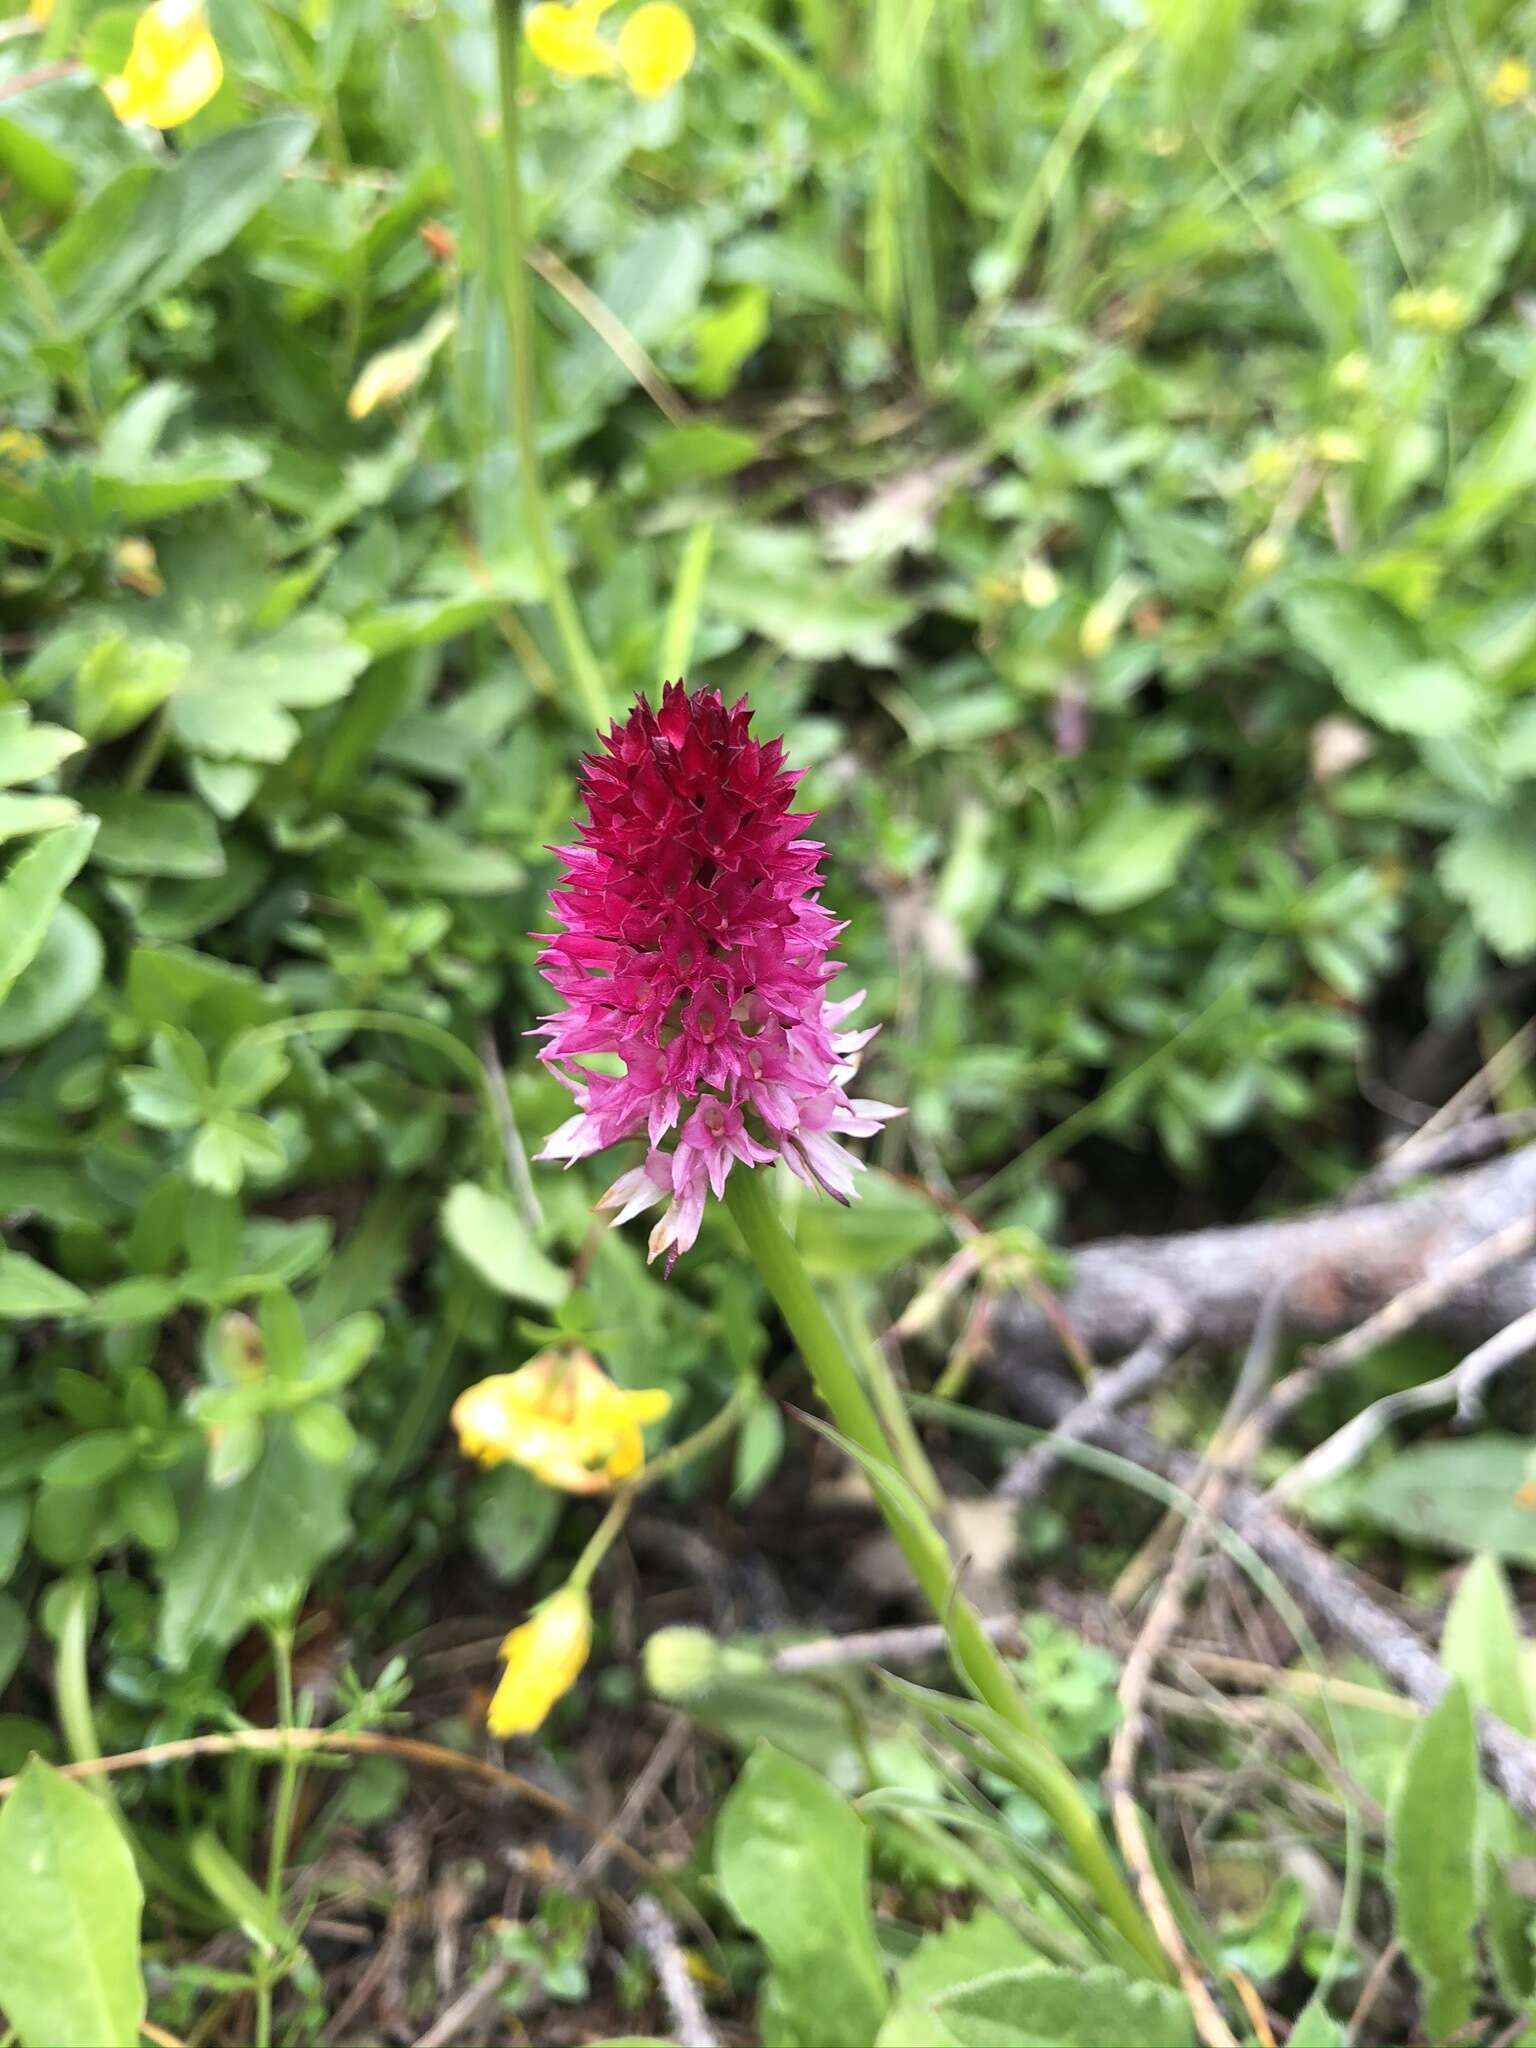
{"x":696,"y":948}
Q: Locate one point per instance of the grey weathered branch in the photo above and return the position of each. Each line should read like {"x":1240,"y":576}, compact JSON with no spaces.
{"x":1332,"y":1269}
{"x":1336,"y":1597}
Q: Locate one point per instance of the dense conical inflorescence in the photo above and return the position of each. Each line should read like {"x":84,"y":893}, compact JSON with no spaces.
{"x":696,"y":948}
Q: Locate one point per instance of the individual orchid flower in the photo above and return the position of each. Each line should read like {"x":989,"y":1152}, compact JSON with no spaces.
{"x":696,"y":949}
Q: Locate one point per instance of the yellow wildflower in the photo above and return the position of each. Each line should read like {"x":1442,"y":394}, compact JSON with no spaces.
{"x":40,"y":13}
{"x":1510,"y":83}
{"x":1441,"y":310}
{"x":562,"y":1418}
{"x":656,"y":47}
{"x":566,"y":38}
{"x":1338,"y":444}
{"x":173,"y":67}
{"x":543,"y":1661}
{"x":19,"y":449}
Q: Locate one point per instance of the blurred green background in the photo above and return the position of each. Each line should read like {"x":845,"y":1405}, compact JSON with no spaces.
{"x":1100,"y":436}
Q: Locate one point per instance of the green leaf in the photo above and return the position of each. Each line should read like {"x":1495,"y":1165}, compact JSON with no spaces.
{"x":31,"y":892}
{"x":1379,"y":661}
{"x":1490,"y":865}
{"x":237,"y":704}
{"x":890,"y":1223}
{"x":247,"y":1906}
{"x":1056,"y":2008}
{"x":1480,"y":1644}
{"x":489,"y":1235}
{"x":1316,"y":2027}
{"x":145,"y":833}
{"x":13,"y":1636}
{"x":955,"y":1956}
{"x":69,"y":1935}
{"x":56,"y":984}
{"x":248,"y":1549}
{"x":1456,"y":1495}
{"x":1135,"y":853}
{"x":324,"y":1433}
{"x":28,"y":1289}
{"x":792,"y":1860}
{"x":512,"y":1516}
{"x":88,"y":1460}
{"x":148,"y":229}
{"x":27,"y":750}
{"x":1432,"y":1860}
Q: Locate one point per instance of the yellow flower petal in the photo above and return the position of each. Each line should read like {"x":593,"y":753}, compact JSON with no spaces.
{"x":1508,"y":85}
{"x":40,"y":13}
{"x":561,"y":1418}
{"x":543,"y":1661}
{"x":656,"y":47}
{"x":566,"y":39}
{"x":173,"y":67}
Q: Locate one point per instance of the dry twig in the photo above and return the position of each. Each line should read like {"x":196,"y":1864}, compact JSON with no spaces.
{"x":1026,"y":1476}
{"x":679,"y":1993}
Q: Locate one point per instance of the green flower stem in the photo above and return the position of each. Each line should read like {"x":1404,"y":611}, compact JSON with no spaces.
{"x":702,"y":1441}
{"x":886,"y":1396}
{"x":508,"y":254}
{"x":977,"y":1661}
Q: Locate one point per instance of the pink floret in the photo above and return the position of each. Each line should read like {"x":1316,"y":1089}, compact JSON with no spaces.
{"x":696,"y":949}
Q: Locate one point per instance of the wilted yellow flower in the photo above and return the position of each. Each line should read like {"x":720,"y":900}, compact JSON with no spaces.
{"x":1264,"y":555}
{"x":566,"y":38}
{"x":543,"y":1659}
{"x":173,"y":67}
{"x":136,"y":564}
{"x":562,"y":1418}
{"x":656,"y":47}
{"x":1510,"y":83}
{"x":1039,"y":585}
{"x":394,"y":372}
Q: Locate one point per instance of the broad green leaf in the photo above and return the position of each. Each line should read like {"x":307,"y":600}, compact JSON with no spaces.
{"x":956,"y":1955}
{"x":1379,"y":661}
{"x":250,"y":1549}
{"x":27,"y":750}
{"x":1135,"y":853}
{"x":888,"y":1224}
{"x":56,"y":983}
{"x":1490,"y":865}
{"x":91,"y":1458}
{"x":1496,"y":470}
{"x":489,"y":1235}
{"x":1432,"y":1860}
{"x":1480,"y":1644}
{"x":28,"y":1289}
{"x":1316,"y":2027}
{"x":512,"y":1516}
{"x":1461,"y":1494}
{"x":30,"y":894}
{"x":148,"y":229}
{"x":1057,"y":2008}
{"x":238,"y":703}
{"x":144,"y":832}
{"x":69,"y":1935}
{"x":792,"y":1860}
